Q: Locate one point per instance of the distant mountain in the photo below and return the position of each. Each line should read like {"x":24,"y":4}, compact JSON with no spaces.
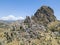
{"x":7,"y":21}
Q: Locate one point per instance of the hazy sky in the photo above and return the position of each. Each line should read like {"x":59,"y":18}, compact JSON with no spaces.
{"x":22,"y":8}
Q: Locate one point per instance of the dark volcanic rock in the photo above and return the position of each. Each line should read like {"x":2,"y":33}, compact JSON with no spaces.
{"x":44,"y":15}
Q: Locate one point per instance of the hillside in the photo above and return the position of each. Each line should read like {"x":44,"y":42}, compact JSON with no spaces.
{"x":41,"y":29}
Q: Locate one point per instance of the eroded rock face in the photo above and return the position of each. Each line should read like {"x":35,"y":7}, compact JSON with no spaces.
{"x":44,"y":15}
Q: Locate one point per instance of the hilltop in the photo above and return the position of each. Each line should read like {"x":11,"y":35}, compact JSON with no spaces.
{"x":42,"y":28}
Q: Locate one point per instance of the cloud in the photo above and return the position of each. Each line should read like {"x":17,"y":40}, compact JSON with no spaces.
{"x":11,"y":17}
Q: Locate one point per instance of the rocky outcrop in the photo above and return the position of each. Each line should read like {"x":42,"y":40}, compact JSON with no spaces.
{"x":41,"y":29}
{"x":44,"y":15}
{"x":27,"y":20}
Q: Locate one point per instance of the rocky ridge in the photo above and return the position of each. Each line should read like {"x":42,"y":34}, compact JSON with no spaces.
{"x":35,"y":30}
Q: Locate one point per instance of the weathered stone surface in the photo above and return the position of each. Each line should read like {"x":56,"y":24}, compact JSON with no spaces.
{"x":32,"y":31}
{"x":44,"y":15}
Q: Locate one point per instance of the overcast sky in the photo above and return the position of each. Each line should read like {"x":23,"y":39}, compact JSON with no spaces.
{"x":16,"y":9}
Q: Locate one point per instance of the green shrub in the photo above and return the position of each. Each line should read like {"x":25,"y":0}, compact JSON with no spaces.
{"x":54,"y":26}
